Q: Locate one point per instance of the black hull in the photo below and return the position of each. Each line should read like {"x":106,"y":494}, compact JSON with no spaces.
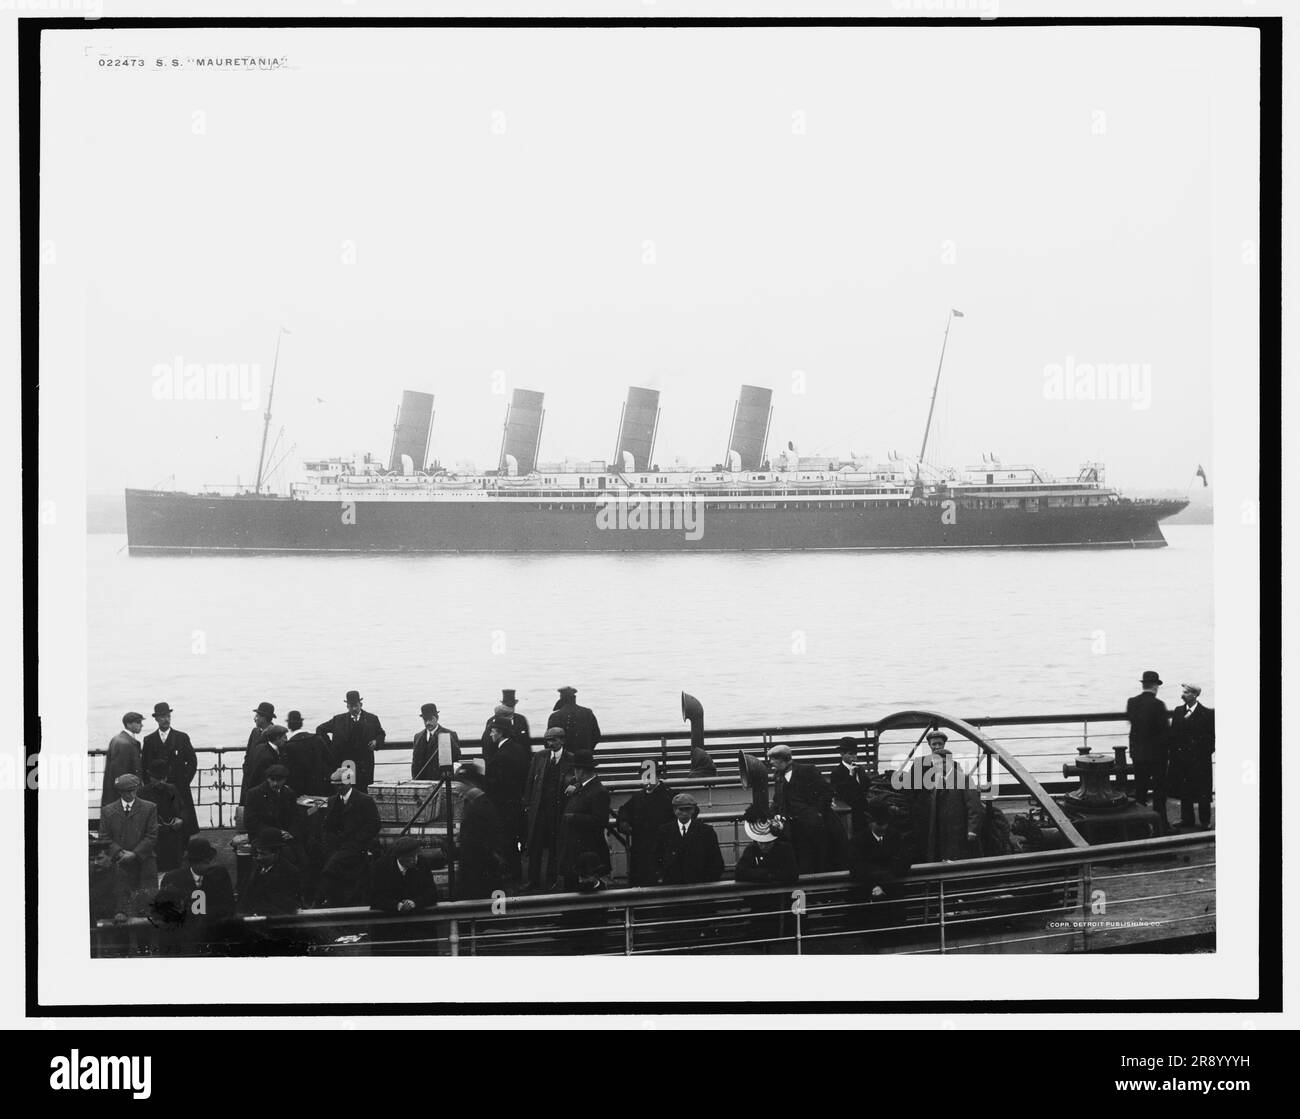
{"x":161,"y":522}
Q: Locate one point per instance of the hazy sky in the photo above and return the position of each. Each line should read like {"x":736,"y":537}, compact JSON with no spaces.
{"x":685,"y":209}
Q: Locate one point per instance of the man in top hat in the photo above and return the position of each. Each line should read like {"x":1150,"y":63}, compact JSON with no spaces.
{"x":1148,"y":744}
{"x":581,"y":731}
{"x":544,"y":788}
{"x":275,"y":885}
{"x":123,"y":754}
{"x":401,"y":883}
{"x":1191,"y":757}
{"x":803,"y":809}
{"x":584,"y":819}
{"x":424,"y":747}
{"x":174,"y":747}
{"x":197,"y":896}
{"x":272,"y":803}
{"x":946,"y":811}
{"x":688,"y":849}
{"x":307,"y":759}
{"x":354,"y":735}
{"x":259,"y":757}
{"x":850,"y":783}
{"x":350,"y":830}
{"x":640,"y":819}
{"x":507,"y":773}
{"x":514,"y":725}
{"x":131,"y":827}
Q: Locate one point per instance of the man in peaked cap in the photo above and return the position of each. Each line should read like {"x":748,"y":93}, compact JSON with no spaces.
{"x":124,"y":754}
{"x":581,"y":731}
{"x":544,"y":787}
{"x":946,"y":812}
{"x":1191,"y":757}
{"x":1148,"y":743}
{"x":688,"y":848}
{"x":174,"y":747}
{"x":400,"y":883}
{"x":424,"y":747}
{"x":354,"y":735}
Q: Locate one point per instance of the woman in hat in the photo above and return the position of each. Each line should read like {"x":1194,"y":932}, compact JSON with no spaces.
{"x":769,"y":858}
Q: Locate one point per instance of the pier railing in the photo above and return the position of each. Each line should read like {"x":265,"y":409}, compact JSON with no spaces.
{"x":1042,"y":742}
{"x":1155,"y":892}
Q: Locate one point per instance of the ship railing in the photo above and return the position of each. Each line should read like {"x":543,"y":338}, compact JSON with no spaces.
{"x":1043,"y":742}
{"x":1147,"y":892}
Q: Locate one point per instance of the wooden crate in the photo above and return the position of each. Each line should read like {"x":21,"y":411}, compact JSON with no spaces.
{"x":397,"y":802}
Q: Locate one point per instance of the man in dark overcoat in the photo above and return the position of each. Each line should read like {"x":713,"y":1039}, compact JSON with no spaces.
{"x":174,"y":747}
{"x":581,"y":731}
{"x":1191,"y":757}
{"x":640,"y":819}
{"x":354,"y":735}
{"x":544,"y":788}
{"x":1148,"y":744}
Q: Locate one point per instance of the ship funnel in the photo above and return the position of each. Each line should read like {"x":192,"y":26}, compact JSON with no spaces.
{"x":411,"y":431}
{"x":523,"y":431}
{"x":637,"y":429}
{"x":749,"y":426}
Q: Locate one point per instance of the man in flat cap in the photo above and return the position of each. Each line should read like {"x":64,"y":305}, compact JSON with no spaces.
{"x":946,"y":812}
{"x":1148,"y":744}
{"x":400,"y":882}
{"x":513,"y":725}
{"x":584,"y":819}
{"x":688,"y":848}
{"x":581,"y":731}
{"x":124,"y":755}
{"x":803,"y":809}
{"x":850,"y":783}
{"x":354,"y":735}
{"x":130,"y":825}
{"x":424,"y":747}
{"x":543,"y":799}
{"x":174,"y":747}
{"x":351,"y":829}
{"x":1191,"y":757}
{"x":275,"y":885}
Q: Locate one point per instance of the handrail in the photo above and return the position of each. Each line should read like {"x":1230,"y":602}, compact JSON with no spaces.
{"x":637,"y":896}
{"x":768,"y":733}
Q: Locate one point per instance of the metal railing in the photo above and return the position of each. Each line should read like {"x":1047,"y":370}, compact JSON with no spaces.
{"x":1142,"y":892}
{"x":1056,"y":741}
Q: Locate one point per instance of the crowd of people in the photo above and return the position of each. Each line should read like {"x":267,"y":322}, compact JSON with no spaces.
{"x":542,"y":821}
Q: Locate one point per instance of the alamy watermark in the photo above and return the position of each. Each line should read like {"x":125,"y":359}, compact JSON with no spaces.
{"x":183,"y":380}
{"x":1081,"y":380}
{"x":616,"y":513}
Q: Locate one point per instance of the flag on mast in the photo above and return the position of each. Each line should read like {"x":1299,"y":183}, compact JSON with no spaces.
{"x":1200,"y":473}
{"x":956,"y":314}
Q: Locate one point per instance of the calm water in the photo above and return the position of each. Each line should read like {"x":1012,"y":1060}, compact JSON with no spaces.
{"x":758,"y":638}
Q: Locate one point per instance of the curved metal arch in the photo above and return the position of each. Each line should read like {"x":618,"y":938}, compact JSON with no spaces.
{"x":989,"y":746}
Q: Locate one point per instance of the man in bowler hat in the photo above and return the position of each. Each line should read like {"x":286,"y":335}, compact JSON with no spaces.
{"x":1148,"y":743}
{"x":174,"y":747}
{"x":354,"y":735}
{"x":424,"y":747}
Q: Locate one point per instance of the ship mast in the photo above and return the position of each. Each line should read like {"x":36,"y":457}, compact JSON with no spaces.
{"x":266,"y":427}
{"x":925,"y":439}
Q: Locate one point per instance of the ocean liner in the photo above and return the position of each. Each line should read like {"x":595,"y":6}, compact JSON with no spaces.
{"x":749,"y":502}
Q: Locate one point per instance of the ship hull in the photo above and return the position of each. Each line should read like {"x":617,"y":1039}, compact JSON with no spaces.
{"x":162,"y":522}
